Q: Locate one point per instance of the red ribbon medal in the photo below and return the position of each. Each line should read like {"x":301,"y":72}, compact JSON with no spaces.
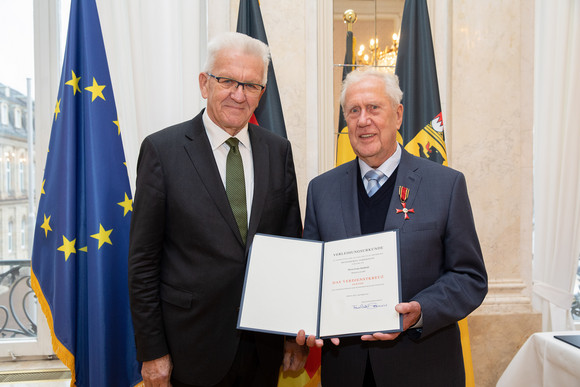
{"x":403,"y":195}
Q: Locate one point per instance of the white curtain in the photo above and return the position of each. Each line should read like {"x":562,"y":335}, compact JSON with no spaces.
{"x":155,"y":51}
{"x":556,"y":160}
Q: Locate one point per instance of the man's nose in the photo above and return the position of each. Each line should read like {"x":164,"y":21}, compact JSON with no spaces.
{"x":363,"y":119}
{"x":238,"y":93}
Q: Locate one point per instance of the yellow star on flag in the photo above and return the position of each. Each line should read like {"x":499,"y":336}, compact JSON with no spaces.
{"x":118,"y":126}
{"x":68,"y":247}
{"x":42,"y":188}
{"x":57,"y":109}
{"x":127,"y":204}
{"x":96,"y":89}
{"x":103,"y":236}
{"x":46,"y":226}
{"x":74,"y":82}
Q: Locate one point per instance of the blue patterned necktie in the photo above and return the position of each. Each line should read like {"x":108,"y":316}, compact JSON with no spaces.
{"x":236,"y":186}
{"x":373,"y":177}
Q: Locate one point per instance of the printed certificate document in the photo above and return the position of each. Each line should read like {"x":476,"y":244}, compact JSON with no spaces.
{"x":340,"y":288}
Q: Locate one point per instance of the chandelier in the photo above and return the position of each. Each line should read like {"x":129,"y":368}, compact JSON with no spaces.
{"x":374,"y":56}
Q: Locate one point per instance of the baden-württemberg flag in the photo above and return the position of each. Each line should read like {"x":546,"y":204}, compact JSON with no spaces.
{"x":79,"y":259}
{"x":422,"y":131}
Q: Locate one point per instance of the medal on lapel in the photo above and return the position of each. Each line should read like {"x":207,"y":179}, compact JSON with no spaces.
{"x":403,"y":195}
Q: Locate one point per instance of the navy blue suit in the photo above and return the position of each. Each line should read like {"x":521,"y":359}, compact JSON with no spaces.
{"x":441,"y":268}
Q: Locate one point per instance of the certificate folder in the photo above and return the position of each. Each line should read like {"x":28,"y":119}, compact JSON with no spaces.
{"x":341,"y":288}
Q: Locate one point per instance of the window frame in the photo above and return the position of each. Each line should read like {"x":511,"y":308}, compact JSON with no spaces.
{"x":48,"y":52}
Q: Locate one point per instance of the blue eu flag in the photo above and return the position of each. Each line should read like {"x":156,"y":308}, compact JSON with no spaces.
{"x":79,"y":259}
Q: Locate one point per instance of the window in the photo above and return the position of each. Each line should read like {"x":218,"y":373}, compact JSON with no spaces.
{"x":21,"y":181}
{"x":4,"y":113}
{"x":23,"y":233}
{"x":17,"y":118}
{"x":24,"y":332}
{"x":9,"y":236}
{"x":8,"y":174}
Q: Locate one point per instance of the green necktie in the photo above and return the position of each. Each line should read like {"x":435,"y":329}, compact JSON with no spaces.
{"x":236,"y":186}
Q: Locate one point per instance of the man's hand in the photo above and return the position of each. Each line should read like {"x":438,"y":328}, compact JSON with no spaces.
{"x":157,"y":373}
{"x":411,"y":312}
{"x":295,"y":355}
{"x":312,"y":341}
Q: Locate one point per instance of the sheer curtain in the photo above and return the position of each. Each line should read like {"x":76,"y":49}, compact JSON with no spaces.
{"x":155,"y":51}
{"x":556,"y":160}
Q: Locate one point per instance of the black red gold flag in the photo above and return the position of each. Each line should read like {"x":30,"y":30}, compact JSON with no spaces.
{"x":344,"y":150}
{"x":269,"y":113}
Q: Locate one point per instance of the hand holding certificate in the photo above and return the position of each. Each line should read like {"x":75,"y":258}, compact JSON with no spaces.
{"x":339,"y":288}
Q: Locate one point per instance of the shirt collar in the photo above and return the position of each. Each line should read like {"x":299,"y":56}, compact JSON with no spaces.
{"x":217,"y":136}
{"x":387,"y":168}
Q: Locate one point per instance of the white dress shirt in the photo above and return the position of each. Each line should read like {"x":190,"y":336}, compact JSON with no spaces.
{"x":217,"y":139}
{"x":387,"y":168}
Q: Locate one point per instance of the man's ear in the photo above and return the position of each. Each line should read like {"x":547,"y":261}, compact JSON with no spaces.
{"x":203,"y":85}
{"x":399,"y":116}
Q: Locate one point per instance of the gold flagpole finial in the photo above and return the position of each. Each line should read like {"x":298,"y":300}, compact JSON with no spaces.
{"x":349,"y":18}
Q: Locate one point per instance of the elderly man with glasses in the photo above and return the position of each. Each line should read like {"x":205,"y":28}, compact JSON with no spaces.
{"x":205,"y":187}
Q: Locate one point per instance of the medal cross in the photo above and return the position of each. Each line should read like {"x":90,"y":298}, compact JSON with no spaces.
{"x":405,"y":210}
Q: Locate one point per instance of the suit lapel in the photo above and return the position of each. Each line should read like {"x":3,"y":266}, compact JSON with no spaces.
{"x":408,"y":177}
{"x":201,"y":155}
{"x":260,"y":154}
{"x":349,"y":200}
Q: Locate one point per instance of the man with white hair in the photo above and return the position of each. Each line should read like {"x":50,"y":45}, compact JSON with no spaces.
{"x":205,"y":187}
{"x":443,"y":277}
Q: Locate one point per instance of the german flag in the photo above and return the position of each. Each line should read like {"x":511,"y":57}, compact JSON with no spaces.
{"x":344,"y":150}
{"x":269,"y":113}
{"x":422,"y":132}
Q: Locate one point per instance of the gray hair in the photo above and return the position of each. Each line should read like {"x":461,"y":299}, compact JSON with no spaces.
{"x":234,"y":41}
{"x":391,"y":82}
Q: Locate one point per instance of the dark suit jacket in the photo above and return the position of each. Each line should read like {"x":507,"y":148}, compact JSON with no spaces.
{"x":187,"y":260}
{"x":441,"y":267}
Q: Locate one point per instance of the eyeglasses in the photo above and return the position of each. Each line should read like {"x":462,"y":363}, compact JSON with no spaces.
{"x":228,"y":83}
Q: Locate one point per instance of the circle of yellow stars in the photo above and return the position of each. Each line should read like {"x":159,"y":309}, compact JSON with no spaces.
{"x":68,"y":247}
